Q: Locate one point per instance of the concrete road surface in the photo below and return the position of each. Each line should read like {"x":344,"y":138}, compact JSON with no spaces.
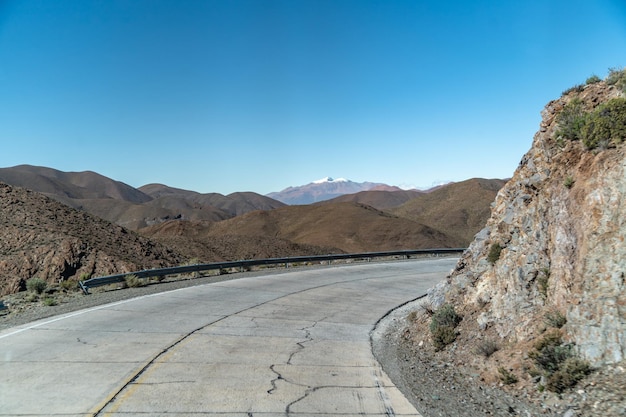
{"x":284,"y":344}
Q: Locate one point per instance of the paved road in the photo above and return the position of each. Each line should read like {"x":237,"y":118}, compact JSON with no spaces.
{"x":287,"y":344}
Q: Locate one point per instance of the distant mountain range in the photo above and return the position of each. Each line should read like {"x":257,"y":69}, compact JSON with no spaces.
{"x":326,"y":189}
{"x":130,"y":207}
{"x":162,"y":225}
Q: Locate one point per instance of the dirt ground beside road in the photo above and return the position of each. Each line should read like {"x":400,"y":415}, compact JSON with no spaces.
{"x":439,"y":383}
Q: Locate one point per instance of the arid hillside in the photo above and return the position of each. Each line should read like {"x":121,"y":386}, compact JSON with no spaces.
{"x":298,"y":230}
{"x":204,"y":242}
{"x":233,"y":204}
{"x":43,"y":238}
{"x":130,"y":207}
{"x":70,"y":185}
{"x":458,"y":209}
{"x":379,"y":199}
{"x":340,"y":227}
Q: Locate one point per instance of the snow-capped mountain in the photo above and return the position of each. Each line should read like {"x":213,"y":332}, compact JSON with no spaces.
{"x":325,"y":189}
{"x":329,"y":179}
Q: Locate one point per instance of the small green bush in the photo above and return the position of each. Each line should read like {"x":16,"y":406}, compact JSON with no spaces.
{"x":69,"y":285}
{"x":445,"y":316}
{"x":570,"y":120}
{"x":50,"y":301}
{"x":571,"y":371}
{"x":606,"y":125}
{"x":133,"y":281}
{"x":593,"y":79}
{"x":494,"y":253}
{"x":560,"y":366}
{"x":617,"y":77}
{"x":603,"y":127}
{"x":443,"y":336}
{"x":443,"y":326}
{"x":577,"y":88}
{"x":550,"y":352}
{"x":569,"y":182}
{"x":506,"y":376}
{"x":36,"y":285}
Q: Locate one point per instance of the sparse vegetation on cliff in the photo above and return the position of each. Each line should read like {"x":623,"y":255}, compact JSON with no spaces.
{"x":605,"y":126}
{"x":593,"y":79}
{"x":602,"y":127}
{"x":617,"y":77}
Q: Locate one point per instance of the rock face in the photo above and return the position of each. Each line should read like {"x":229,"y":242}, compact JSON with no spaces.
{"x":561,"y":224}
{"x":42,"y":238}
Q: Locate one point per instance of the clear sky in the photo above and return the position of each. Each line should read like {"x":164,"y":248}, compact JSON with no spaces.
{"x":229,"y":95}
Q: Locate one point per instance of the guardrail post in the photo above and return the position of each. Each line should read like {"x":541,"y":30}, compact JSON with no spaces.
{"x":82,"y":287}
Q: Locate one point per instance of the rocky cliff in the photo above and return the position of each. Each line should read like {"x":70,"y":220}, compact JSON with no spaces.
{"x":554,"y":242}
{"x":537,"y":305}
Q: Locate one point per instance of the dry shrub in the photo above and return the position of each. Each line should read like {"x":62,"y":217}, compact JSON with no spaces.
{"x":487,"y":347}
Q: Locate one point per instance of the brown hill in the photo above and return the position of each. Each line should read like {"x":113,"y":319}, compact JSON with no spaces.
{"x":136,"y":216}
{"x":74,"y":185}
{"x":129,"y":207}
{"x":380,"y":199}
{"x":198,"y":240}
{"x":350,"y":227}
{"x":233,"y":204}
{"x":44,"y":238}
{"x":459,"y":210}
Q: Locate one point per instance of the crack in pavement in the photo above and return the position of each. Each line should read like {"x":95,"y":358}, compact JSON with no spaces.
{"x":279,"y":377}
{"x":299,"y":347}
{"x":184,"y":381}
{"x":307,"y":338}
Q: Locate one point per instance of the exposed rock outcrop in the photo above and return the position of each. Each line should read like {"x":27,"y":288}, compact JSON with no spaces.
{"x":561,"y":224}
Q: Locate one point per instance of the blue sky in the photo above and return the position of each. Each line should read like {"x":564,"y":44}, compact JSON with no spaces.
{"x":225,"y":96}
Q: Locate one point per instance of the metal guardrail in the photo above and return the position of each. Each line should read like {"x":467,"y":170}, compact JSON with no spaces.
{"x":148,"y":273}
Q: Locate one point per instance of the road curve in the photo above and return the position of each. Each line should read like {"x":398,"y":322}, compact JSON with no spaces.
{"x":288,"y":344}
